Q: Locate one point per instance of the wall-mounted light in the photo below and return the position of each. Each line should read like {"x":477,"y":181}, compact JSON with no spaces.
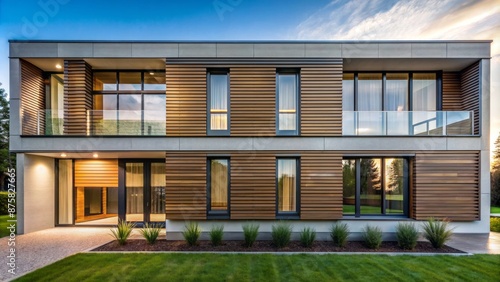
{"x":151,"y":73}
{"x":58,"y":66}
{"x":63,"y":155}
{"x":95,"y":155}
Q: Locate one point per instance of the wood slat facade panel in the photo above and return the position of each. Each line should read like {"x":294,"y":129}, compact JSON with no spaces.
{"x":96,"y":173}
{"x":77,"y":96}
{"x":452,"y":93}
{"x":253,"y":100}
{"x":470,"y":82}
{"x":186,"y":100}
{"x":32,"y":99}
{"x":321,"y":100}
{"x":446,"y":185}
{"x":253,"y":185}
{"x":185,"y":191}
{"x":321,"y":186}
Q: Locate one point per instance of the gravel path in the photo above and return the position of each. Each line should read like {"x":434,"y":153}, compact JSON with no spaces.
{"x":38,"y":249}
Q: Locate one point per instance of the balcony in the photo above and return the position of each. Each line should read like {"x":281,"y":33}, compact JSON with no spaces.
{"x":107,"y":122}
{"x":395,"y":123}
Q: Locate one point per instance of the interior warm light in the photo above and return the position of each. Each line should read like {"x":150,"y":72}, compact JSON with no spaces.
{"x":58,"y":66}
{"x":151,"y":73}
{"x":63,"y":155}
{"x":95,"y":155}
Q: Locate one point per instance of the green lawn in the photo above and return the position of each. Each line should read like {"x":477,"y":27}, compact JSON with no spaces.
{"x":3,"y":225}
{"x":494,"y":209}
{"x":239,"y":267}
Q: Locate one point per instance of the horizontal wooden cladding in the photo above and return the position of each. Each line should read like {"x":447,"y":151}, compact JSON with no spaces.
{"x":452,"y":93}
{"x":253,"y":186}
{"x":321,"y":100}
{"x":77,"y":96}
{"x":32,"y":99}
{"x":446,"y":185}
{"x":253,"y":100}
{"x":321,"y":186}
{"x":186,"y":100}
{"x":185,"y":191}
{"x":470,"y":92}
{"x":96,"y":173}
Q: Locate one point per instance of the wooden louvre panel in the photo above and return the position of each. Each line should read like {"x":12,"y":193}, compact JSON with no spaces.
{"x":253,"y":186}
{"x":321,"y":186}
{"x":77,"y":96}
{"x":186,"y":100}
{"x":96,"y":173}
{"x":253,"y":100}
{"x":446,"y":185}
{"x":452,"y":94}
{"x":32,"y":99}
{"x":186,"y":184}
{"x":321,"y":100}
{"x":470,"y":92}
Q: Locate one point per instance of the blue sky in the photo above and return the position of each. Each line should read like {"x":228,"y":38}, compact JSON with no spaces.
{"x":252,"y":20}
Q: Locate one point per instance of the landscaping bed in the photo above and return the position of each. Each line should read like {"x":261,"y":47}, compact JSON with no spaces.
{"x":267,"y":246}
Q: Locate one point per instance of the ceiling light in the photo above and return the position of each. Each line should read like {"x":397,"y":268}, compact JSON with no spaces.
{"x":58,"y":66}
{"x":95,"y":155}
{"x":63,"y":155}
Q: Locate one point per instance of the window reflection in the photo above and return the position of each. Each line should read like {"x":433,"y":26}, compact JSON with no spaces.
{"x":129,"y":81}
{"x":104,"y":81}
{"x":154,"y":81}
{"x":287,"y":185}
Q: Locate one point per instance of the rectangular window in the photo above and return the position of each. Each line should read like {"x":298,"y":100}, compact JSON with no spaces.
{"x":287,"y":186}
{"x":218,"y":102}
{"x":424,"y":91}
{"x":287,"y":103}
{"x":375,"y":186}
{"x":218,"y":187}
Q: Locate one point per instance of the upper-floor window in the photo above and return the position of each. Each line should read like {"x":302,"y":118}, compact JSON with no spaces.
{"x":287,"y":111}
{"x":129,"y":103}
{"x":218,"y":103}
{"x":390,"y":91}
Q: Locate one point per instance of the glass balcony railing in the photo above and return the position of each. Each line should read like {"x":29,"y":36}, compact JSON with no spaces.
{"x":394,"y":123}
{"x":107,"y":122}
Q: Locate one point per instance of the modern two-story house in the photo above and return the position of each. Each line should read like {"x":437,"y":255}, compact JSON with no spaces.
{"x":363,"y":132}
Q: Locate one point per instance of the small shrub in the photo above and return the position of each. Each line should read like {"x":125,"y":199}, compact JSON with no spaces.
{"x":150,"y":232}
{"x":437,"y":232}
{"x":372,"y":236}
{"x":339,"y":233}
{"x":250,"y":232}
{"x":281,"y":234}
{"x":122,"y":231}
{"x":216,"y":234}
{"x":192,"y":232}
{"x":407,"y":236}
{"x":495,"y":224}
{"x":307,"y":237}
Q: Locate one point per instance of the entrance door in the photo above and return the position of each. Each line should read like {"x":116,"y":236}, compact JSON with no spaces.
{"x":142,"y":184}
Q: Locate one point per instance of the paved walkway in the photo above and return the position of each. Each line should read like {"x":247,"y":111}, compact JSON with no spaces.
{"x":37,"y":249}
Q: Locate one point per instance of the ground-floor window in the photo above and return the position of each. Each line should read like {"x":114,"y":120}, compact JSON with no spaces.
{"x":287,"y":186}
{"x":375,"y":186}
{"x":218,"y":187}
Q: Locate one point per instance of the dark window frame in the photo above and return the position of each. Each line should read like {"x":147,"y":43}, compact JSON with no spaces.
{"x":294,"y":214}
{"x":439,"y":87}
{"x":406,"y":188}
{"x":218,"y":214}
{"x":118,"y":92}
{"x":295,"y":72}
{"x":210,"y":131}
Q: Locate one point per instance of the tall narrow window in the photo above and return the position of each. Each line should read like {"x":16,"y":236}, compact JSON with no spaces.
{"x":424,"y":91}
{"x":287,"y":112}
{"x":287,"y":186}
{"x":218,"y":104}
{"x":218,"y":187}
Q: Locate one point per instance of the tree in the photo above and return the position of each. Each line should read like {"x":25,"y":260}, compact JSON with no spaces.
{"x":496,"y":155}
{"x":7,"y":159}
{"x":370,"y":176}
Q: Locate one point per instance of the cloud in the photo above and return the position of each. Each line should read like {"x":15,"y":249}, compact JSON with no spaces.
{"x":416,"y":20}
